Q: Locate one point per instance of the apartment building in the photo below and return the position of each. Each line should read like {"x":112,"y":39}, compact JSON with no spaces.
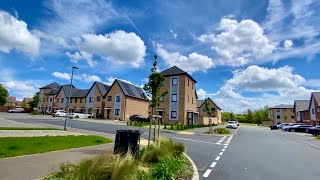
{"x":203,"y":118}
{"x":94,"y":99}
{"x":314,"y":108}
{"x":47,"y":97}
{"x":180,"y":104}
{"x":124,"y":100}
{"x":78,"y":101}
{"x":61,"y":98}
{"x":282,"y":114}
{"x":301,"y":110}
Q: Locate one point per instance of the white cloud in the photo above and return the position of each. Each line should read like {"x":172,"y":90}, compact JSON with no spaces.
{"x":287,"y":44}
{"x":15,"y":35}
{"x":192,"y":63}
{"x":111,"y":79}
{"x":82,"y":77}
{"x":239,"y":43}
{"x":78,"y":56}
{"x":174,"y":35}
{"x":118,"y":47}
{"x":202,"y":94}
{"x":21,"y":89}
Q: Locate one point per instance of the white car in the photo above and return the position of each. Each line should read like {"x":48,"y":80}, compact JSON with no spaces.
{"x":81,"y":115}
{"x":232,"y":124}
{"x":16,"y":110}
{"x":59,"y":113}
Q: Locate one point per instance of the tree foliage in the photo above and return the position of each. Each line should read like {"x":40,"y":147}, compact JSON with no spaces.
{"x":35,"y":101}
{"x":3,"y":95}
{"x":250,"y":116}
{"x":207,"y":108}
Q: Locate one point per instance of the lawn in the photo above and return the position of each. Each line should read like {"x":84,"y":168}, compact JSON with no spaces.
{"x":137,"y":124}
{"x":17,"y":146}
{"x":181,"y":127}
{"x":318,"y":137}
{"x":27,"y":128}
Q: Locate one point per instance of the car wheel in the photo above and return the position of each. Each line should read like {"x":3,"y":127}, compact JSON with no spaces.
{"x":77,"y":117}
{"x":57,"y":115}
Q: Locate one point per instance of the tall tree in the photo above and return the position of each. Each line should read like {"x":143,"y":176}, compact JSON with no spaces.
{"x":35,"y":101}
{"x":210,"y":113}
{"x":3,"y":95}
{"x":155,"y":82}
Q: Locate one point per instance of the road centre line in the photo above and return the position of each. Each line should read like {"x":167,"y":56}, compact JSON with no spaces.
{"x":225,"y":147}
{"x":217,"y":158}
{"x":223,"y":150}
{"x":220,"y":154}
{"x":206,"y":174}
{"x":213,"y":164}
{"x":193,"y":140}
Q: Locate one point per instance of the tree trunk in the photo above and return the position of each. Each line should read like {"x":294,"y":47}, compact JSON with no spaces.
{"x":150,"y":124}
{"x":210,"y":125}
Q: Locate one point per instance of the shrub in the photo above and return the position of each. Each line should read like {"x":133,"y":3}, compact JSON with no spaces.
{"x":221,"y":131}
{"x":168,"y":168}
{"x":171,"y":127}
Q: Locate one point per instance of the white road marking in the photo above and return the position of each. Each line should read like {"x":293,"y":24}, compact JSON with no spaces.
{"x":300,"y":141}
{"x":213,"y":164}
{"x":226,"y":144}
{"x":192,"y":140}
{"x":217,"y":158}
{"x":206,"y":174}
{"x":220,"y":154}
{"x":237,"y":131}
{"x":217,"y":143}
{"x":225,"y":147}
{"x":223,"y":150}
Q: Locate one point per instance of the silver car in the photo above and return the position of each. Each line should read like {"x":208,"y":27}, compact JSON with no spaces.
{"x":232,"y":124}
{"x":16,"y":110}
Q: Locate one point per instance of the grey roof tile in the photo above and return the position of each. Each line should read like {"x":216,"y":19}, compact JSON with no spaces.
{"x":316,"y":95}
{"x":301,"y":105}
{"x":132,"y":90}
{"x":103,"y":88}
{"x":81,"y":93}
{"x":174,"y":70}
{"x":282,"y":106}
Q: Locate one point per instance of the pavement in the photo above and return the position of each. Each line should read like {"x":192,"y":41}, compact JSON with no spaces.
{"x":32,"y":133}
{"x":250,"y":153}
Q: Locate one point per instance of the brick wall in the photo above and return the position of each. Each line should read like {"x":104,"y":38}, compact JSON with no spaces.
{"x":115,"y":89}
{"x":135,"y":106}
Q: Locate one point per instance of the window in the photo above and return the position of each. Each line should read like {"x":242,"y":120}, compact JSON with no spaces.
{"x":49,"y":108}
{"x":174,"y":98}
{"x":292,"y":117}
{"x":98,"y":98}
{"x":89,"y":111}
{"x":188,"y":99}
{"x":116,"y":112}
{"x":70,"y":100}
{"x":174,"y":81}
{"x":213,"y":109}
{"x":161,"y":99}
{"x":50,"y":100}
{"x":192,"y":100}
{"x":297,"y":113}
{"x":278,"y":117}
{"x":117,"y":98}
{"x":62,"y":100}
{"x":188,"y":82}
{"x":75,"y":100}
{"x":284,"y":109}
{"x":90,"y":99}
{"x":80,"y":100}
{"x":109,"y":98}
{"x":204,"y":110}
{"x":192,"y":85}
{"x":277,"y":110}
{"x":312,"y":111}
{"x":57,"y":100}
{"x":173,"y":114}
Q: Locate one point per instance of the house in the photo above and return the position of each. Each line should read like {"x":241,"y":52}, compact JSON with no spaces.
{"x":203,"y":118}
{"x":314,"y":108}
{"x":282,"y":114}
{"x":94,"y":98}
{"x":11,"y":101}
{"x":78,"y":101}
{"x":25,"y":102}
{"x":180,"y":104}
{"x":301,"y":110}
{"x":47,"y":97}
{"x":123,"y":100}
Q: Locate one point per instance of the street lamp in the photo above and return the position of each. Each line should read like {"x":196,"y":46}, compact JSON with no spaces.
{"x":68,"y":102}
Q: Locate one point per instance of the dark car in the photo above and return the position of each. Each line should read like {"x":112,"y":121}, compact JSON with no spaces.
{"x":138,"y":118}
{"x":298,"y":128}
{"x":315,"y":131}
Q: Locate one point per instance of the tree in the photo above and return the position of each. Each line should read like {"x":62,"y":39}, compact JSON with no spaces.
{"x":3,"y":95}
{"x":249,"y":116}
{"x":210,"y":113}
{"x":155,"y":82}
{"x":35,"y":101}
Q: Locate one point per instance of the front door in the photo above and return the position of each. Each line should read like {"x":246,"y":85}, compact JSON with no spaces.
{"x":161,"y":114}
{"x":108,"y":113}
{"x":190,"y":118}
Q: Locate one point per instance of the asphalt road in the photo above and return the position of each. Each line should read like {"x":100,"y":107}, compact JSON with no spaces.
{"x":253,"y":153}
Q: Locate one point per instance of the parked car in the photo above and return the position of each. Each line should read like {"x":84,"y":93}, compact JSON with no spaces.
{"x":273,"y":127}
{"x":285,"y":128}
{"x":16,"y":110}
{"x":279,"y":126}
{"x":59,"y":113}
{"x":138,"y":118}
{"x":232,"y":124}
{"x":298,"y":128}
{"x":237,"y":122}
{"x":315,"y":131}
{"x":80,"y":115}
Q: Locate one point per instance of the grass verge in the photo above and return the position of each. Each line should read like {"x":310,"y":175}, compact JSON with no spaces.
{"x":318,"y":137}
{"x":137,"y":124}
{"x":27,"y":128}
{"x":16,"y":146}
{"x":219,"y":131}
{"x":164,"y":160}
{"x":184,"y":127}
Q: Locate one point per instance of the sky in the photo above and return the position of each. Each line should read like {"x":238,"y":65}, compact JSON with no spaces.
{"x":244,"y":54}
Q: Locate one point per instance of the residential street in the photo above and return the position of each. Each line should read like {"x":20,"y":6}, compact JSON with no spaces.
{"x":252,"y":153}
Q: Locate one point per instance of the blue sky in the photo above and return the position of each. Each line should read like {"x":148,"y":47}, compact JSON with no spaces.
{"x":244,"y":54}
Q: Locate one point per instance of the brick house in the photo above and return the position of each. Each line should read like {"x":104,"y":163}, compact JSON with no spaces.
{"x":180,"y":104}
{"x":61,"y":98}
{"x":11,"y":101}
{"x":78,"y":101}
{"x":123,"y":100}
{"x":282,"y":114}
{"x":94,"y":98}
{"x":203,"y":118}
{"x":314,"y":108}
{"x":47,"y":97}
{"x":301,"y":110}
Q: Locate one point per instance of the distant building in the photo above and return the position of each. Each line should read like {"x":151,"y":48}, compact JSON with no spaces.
{"x":282,"y":114}
{"x":11,"y":101}
{"x":203,"y":118}
{"x":314,"y":108}
{"x":301,"y":110}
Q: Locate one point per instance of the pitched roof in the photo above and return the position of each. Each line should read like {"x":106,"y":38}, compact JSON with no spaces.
{"x":11,"y":99}
{"x":282,"y":106}
{"x":174,"y":70}
{"x":132,"y":90}
{"x":53,"y":85}
{"x":316,"y":95}
{"x":26,"y":99}
{"x":66,"y":90}
{"x":301,"y":105}
{"x":103,"y":88}
{"x":201,"y":102}
{"x":80,"y":93}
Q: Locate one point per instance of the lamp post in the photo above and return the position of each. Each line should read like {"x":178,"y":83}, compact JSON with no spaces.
{"x":68,"y":102}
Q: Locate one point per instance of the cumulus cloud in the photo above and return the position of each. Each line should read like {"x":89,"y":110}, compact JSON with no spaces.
{"x":21,"y":89}
{"x":82,"y":77}
{"x":174,"y":35}
{"x":287,"y":44}
{"x":202,"y":94}
{"x":111,"y":79}
{"x":15,"y":35}
{"x":78,"y":56}
{"x":239,"y":43}
{"x":118,"y":47}
{"x":192,"y":63}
